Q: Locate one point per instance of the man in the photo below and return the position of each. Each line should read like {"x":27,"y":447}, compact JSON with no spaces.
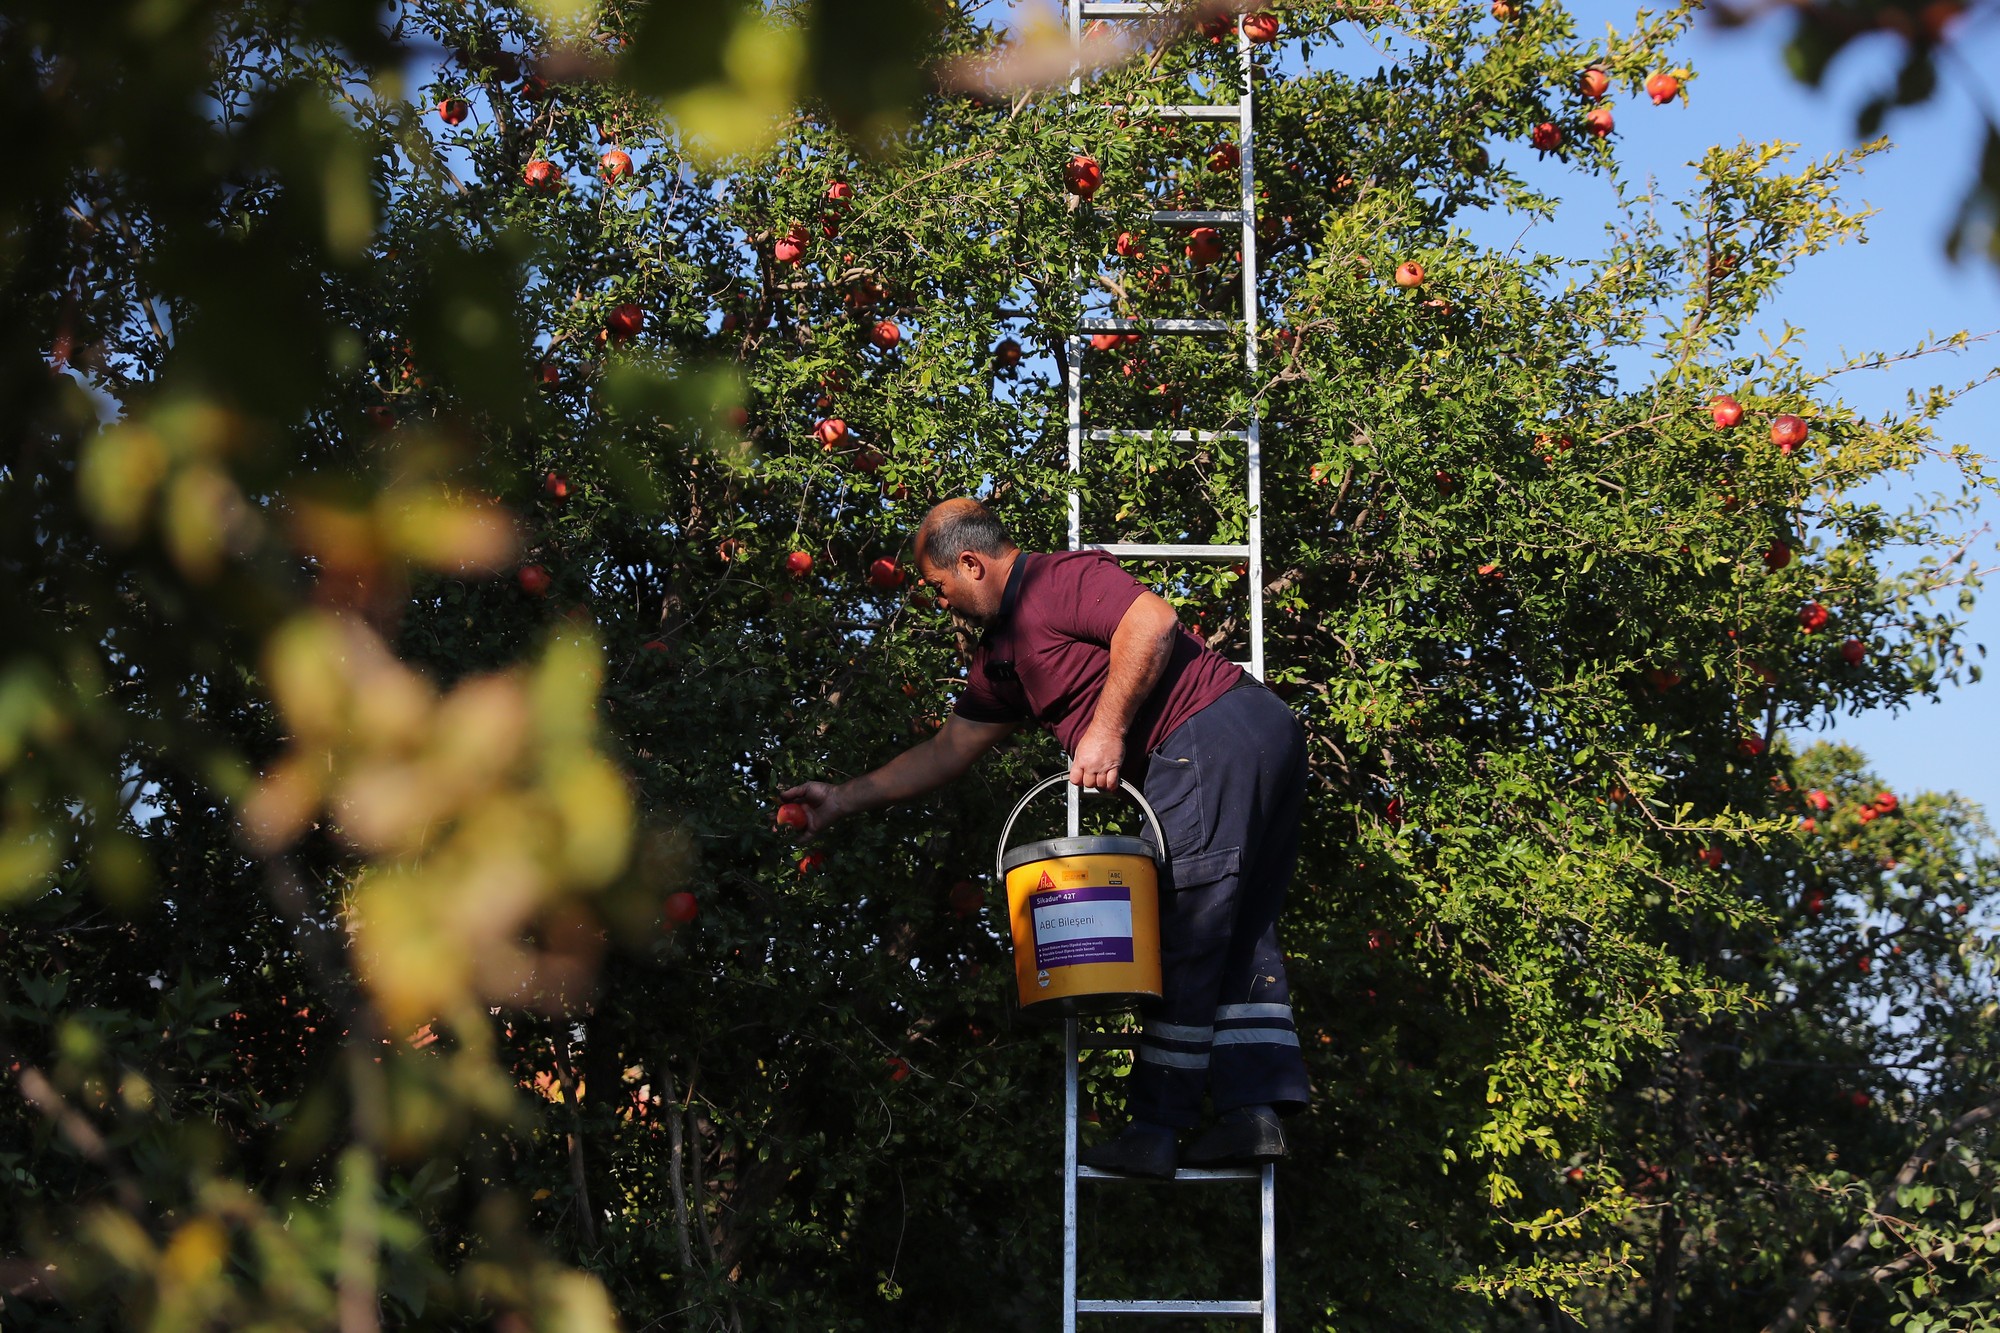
{"x":1072,"y":641}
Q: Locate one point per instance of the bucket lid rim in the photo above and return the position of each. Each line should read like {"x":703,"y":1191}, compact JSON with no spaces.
{"x":1050,"y":849}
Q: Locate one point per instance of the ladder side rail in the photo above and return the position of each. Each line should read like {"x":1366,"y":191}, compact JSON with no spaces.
{"x":1073,"y":16}
{"x":1075,"y":394}
{"x":1073,"y":363}
{"x":1267,"y":1184}
{"x":1073,"y":360}
{"x":1247,"y":177}
{"x":1268,"y":1210}
{"x":1254,"y":461}
{"x":1069,"y":1173}
{"x":1255,"y":534}
{"x":1074,"y":388}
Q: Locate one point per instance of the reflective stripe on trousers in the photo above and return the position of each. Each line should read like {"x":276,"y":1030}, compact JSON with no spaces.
{"x":1176,"y":1046}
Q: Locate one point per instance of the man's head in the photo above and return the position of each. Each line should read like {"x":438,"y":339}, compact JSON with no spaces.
{"x":965,"y":554}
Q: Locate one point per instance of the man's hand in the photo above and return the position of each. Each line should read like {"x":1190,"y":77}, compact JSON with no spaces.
{"x":920,"y":769}
{"x":822,"y":803}
{"x":1098,"y":756}
{"x":1140,"y":649}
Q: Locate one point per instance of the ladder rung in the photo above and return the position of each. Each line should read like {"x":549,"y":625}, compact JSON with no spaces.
{"x":1178,"y":216}
{"x":1122,"y":9}
{"x":1141,"y":551}
{"x":1177,"y":436}
{"x":1156,"y":326}
{"x":1185,"y":1174}
{"x":1191,"y":111}
{"x":1170,"y":1307}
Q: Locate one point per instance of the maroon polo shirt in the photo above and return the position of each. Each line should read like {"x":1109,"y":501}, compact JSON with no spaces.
{"x":1047,"y":654}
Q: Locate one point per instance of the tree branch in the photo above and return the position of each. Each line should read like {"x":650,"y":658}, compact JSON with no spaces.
{"x":1808,"y":1293}
{"x":1903,"y":1265}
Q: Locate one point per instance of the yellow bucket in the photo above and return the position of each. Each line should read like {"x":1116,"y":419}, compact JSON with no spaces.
{"x":1086,"y":915}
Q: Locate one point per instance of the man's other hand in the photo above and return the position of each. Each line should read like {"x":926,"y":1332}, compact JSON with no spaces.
{"x":822,"y":803}
{"x":1097,"y":760}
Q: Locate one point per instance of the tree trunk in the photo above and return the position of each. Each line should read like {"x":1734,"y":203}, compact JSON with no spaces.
{"x":1665,"y":1269}
{"x":586,"y":1217}
{"x":670,"y":1107}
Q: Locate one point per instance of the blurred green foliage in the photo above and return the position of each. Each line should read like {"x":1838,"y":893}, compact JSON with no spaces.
{"x":1930,"y":35}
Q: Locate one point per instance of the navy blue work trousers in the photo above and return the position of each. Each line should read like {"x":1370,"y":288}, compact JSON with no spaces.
{"x":1229,"y":787}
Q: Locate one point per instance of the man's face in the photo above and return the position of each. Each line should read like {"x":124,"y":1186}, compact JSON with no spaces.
{"x":966,"y":587}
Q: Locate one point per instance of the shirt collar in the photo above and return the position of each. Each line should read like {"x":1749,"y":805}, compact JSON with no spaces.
{"x":1009,"y":596}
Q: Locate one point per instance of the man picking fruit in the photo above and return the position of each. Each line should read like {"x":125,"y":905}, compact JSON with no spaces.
{"x":1071,"y":641}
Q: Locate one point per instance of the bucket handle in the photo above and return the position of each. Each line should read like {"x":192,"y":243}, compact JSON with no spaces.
{"x":1000,"y":855}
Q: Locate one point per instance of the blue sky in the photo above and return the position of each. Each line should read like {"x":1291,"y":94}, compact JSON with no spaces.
{"x":1884,"y":295}
{"x":1888,"y":294}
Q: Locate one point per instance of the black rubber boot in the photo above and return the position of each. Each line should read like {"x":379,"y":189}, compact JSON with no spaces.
{"x":1246,"y":1136}
{"x":1142,"y":1150}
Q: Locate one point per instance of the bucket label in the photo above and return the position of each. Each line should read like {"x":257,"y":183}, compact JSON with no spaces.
{"x":1091,"y":925}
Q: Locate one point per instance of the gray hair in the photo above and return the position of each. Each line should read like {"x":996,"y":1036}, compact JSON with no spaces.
{"x":958,"y":526}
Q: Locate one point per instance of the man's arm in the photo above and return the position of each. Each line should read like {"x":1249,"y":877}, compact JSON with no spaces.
{"x":916,"y":771}
{"x":1140,"y":649}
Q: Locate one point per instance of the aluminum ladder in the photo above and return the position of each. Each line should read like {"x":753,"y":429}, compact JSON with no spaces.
{"x":1250,"y":553}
